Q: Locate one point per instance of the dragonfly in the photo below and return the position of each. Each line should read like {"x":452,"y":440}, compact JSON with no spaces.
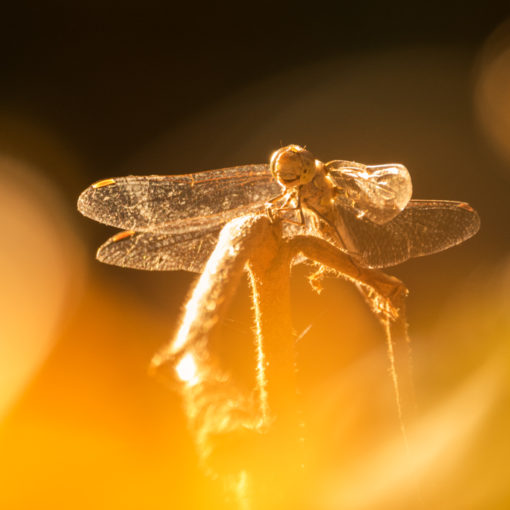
{"x":172,"y":222}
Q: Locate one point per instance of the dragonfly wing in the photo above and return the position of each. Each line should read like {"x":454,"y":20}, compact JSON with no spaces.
{"x":160,"y":252}
{"x":179,"y":203}
{"x":423,"y":228}
{"x":378,"y":193}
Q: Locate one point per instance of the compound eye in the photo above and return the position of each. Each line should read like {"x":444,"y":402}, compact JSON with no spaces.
{"x":292,"y":166}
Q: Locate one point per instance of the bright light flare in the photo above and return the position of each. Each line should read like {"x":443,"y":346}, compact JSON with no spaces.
{"x":187,"y":370}
{"x":444,"y":434}
{"x":40,"y":271}
{"x":493,"y":89}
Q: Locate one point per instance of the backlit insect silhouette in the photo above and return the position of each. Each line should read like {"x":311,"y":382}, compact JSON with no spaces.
{"x":172,"y":222}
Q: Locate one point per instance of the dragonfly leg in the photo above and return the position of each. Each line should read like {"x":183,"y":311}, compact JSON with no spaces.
{"x":298,"y":207}
{"x":294,"y":194}
{"x":270,"y":207}
{"x":278,"y":197}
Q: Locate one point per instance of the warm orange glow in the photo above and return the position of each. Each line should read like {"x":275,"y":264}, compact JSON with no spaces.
{"x":83,"y":426}
{"x":446,"y":431}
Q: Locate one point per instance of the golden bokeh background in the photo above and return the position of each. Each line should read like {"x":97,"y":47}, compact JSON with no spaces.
{"x":96,"y":91}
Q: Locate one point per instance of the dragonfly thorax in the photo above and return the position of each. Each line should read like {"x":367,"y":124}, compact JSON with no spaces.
{"x":293,"y":166}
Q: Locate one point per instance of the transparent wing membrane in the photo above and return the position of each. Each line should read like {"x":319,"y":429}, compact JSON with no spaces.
{"x":423,"y":228}
{"x":188,"y":251}
{"x":180,"y":203}
{"x":378,"y":193}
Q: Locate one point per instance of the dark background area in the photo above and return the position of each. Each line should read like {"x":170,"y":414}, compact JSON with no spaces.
{"x":89,"y":91}
{"x":110,"y":77}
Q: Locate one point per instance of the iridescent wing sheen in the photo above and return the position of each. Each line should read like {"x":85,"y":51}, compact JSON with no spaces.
{"x":378,"y":193}
{"x":186,"y":251}
{"x":422,"y":228}
{"x":179,"y":203}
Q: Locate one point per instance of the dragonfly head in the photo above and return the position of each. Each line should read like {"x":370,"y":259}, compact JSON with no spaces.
{"x":292,"y":166}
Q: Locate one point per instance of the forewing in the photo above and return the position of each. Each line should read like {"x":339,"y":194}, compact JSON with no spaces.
{"x":377,"y":193}
{"x":187,"y":251}
{"x":423,"y":228}
{"x":179,"y":203}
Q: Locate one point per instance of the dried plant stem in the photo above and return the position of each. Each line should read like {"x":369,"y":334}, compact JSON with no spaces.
{"x":223,"y":419}
{"x":400,"y":355}
{"x":269,"y":278}
{"x":216,"y":286}
{"x":276,"y":375}
{"x":385,"y":295}
{"x":260,"y":434}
